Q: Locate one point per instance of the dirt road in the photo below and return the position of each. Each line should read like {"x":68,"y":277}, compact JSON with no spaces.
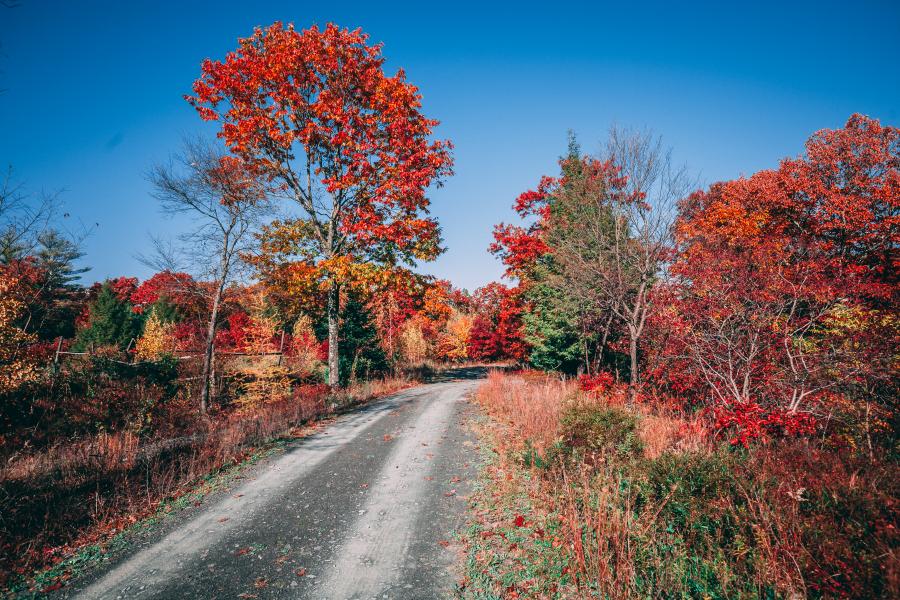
{"x":364,"y":508}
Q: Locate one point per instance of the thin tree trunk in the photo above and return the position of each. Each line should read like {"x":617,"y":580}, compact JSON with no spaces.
{"x":634,"y":378}
{"x":206,"y":375}
{"x":603,"y":340}
{"x":334,"y":298}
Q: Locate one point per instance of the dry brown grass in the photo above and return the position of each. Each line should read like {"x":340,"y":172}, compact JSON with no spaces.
{"x":670,"y":432}
{"x":790,"y":518}
{"x":530,"y":403}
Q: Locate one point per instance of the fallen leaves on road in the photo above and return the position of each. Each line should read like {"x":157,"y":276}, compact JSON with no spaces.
{"x":260,"y":583}
{"x":223,"y":519}
{"x":301,"y":572}
{"x":242,"y":551}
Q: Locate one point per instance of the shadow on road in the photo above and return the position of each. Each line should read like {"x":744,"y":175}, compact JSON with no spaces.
{"x":467,"y":373}
{"x":459,"y":374}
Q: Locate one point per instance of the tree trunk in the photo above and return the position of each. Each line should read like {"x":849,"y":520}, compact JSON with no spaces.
{"x":334,"y":365}
{"x":634,"y":378}
{"x":206,"y":375}
{"x":600,"y":353}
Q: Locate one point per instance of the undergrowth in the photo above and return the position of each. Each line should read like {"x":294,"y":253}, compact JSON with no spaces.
{"x":512,"y":550}
{"x":60,"y":507}
{"x":645,"y":504}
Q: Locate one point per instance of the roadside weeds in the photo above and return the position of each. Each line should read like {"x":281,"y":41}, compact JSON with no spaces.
{"x":113,"y":530}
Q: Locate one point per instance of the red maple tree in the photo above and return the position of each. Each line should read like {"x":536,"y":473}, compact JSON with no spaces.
{"x":315,"y":113}
{"x":787,"y":281}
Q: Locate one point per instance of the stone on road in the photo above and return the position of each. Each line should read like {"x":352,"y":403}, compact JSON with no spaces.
{"x":364,"y":508}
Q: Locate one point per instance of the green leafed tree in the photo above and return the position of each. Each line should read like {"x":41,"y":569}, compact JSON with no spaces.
{"x":111,"y":322}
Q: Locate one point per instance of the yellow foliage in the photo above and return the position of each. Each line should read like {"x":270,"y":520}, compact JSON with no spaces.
{"x":157,"y":339}
{"x":305,"y":360}
{"x":413,"y":345}
{"x":16,"y":367}
{"x":263,"y":377}
{"x":453,"y":341}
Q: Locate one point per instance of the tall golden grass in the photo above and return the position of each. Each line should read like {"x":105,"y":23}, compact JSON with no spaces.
{"x":531,"y":403}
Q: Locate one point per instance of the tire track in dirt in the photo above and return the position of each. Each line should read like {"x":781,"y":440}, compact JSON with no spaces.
{"x":372,"y":562}
{"x":301,"y":520}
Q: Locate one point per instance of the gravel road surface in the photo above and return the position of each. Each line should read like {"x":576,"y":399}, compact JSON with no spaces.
{"x":365,"y":508}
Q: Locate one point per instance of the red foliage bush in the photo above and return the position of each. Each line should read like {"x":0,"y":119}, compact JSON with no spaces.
{"x":597,"y":383}
{"x":747,"y":422}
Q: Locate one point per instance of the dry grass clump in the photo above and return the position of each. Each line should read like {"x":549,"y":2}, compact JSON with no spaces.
{"x":532,"y":404}
{"x":672,"y":433}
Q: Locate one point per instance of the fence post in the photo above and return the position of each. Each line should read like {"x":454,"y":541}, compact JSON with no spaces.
{"x":281,"y":348}
{"x":55,"y":367}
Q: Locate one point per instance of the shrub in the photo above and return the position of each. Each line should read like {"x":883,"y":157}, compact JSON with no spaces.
{"x":681,"y":518}
{"x":692,"y":489}
{"x":598,"y":430}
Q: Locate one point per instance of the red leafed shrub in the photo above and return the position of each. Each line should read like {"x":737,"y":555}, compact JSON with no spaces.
{"x":482,"y":343}
{"x":188,"y":336}
{"x":747,"y":422}
{"x":597,"y":383}
{"x":233,"y":336}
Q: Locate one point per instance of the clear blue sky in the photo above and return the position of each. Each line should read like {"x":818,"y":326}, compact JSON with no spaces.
{"x":94,"y":93}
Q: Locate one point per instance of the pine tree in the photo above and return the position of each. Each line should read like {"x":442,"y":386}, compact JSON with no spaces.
{"x":56,"y":304}
{"x":553,"y":337}
{"x":362,"y":355}
{"x":57,"y":256}
{"x":111,"y":322}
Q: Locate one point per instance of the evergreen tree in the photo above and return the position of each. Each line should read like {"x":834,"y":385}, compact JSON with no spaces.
{"x":553,"y":337}
{"x":552,"y":326}
{"x":57,"y":255}
{"x":165,"y":311}
{"x":362,"y":354}
{"x":57,"y":302}
{"x":11,"y":248}
{"x":111,"y":322}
